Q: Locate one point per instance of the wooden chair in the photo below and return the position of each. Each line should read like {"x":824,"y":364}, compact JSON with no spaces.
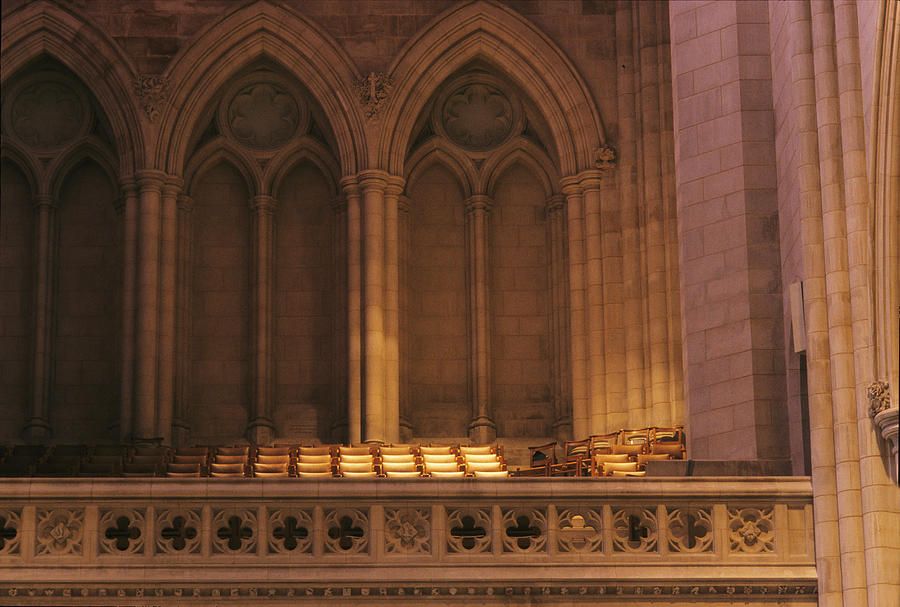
{"x":577,"y":458}
{"x":632,"y":442}
{"x":670,"y":441}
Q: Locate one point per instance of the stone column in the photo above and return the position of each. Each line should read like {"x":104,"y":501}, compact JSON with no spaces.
{"x":129,"y":302}
{"x":147,"y":313}
{"x":593,"y":275}
{"x":577,"y":309}
{"x":482,"y":428}
{"x":406,"y":430}
{"x":339,"y":322}
{"x":392,"y":311}
{"x":559,"y":326}
{"x":261,"y":430}
{"x":354,"y":310}
{"x":180,"y":426}
{"x":373,"y":185}
{"x":167,"y":301}
{"x":37,"y":428}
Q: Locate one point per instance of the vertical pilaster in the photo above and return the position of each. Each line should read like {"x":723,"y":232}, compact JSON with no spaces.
{"x":261,"y":430}
{"x":482,"y":428}
{"x":392,"y":311}
{"x":373,"y":185}
{"x":129,"y":268}
{"x":406,"y":430}
{"x":577,"y":309}
{"x":180,"y":426}
{"x":37,"y":428}
{"x":167,"y":304}
{"x":147,"y":311}
{"x":590,"y":191}
{"x":559,"y":326}
{"x":354,"y":309}
{"x":613,"y":306}
{"x":339,"y":322}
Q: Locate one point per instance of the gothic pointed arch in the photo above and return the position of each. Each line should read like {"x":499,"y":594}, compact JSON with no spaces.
{"x":488,"y":31}
{"x":522,"y":151}
{"x":222,"y":150}
{"x":46,"y":29}
{"x":261,"y":31}
{"x":89,"y":148}
{"x":437,"y":151}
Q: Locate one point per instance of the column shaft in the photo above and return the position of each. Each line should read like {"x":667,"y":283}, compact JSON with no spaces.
{"x":577,"y":310}
{"x":129,"y":269}
{"x":37,"y":429}
{"x":180,"y":426}
{"x":167,"y":301}
{"x":590,"y":184}
{"x":559,"y":329}
{"x":406,"y":430}
{"x":392,"y":312}
{"x":373,"y":186}
{"x":482,"y":428}
{"x":354,"y":310}
{"x":339,"y":323}
{"x":147,"y":317}
{"x":260,"y":429}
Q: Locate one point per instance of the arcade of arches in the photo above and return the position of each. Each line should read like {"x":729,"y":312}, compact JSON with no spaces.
{"x":443,"y":222}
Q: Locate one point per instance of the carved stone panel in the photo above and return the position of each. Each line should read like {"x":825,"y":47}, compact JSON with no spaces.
{"x":10,"y":531}
{"x":121,"y":531}
{"x":751,"y":530}
{"x":59,"y":532}
{"x":580,"y":530}
{"x":524,"y":530}
{"x":407,"y":530}
{"x":234,"y":531}
{"x":468,"y":530}
{"x":477,"y":113}
{"x":178,"y":532}
{"x":634,"y":529}
{"x":262,"y":112}
{"x":690,"y":530}
{"x":347,"y":531}
{"x":290,"y":531}
{"x":47,"y":112}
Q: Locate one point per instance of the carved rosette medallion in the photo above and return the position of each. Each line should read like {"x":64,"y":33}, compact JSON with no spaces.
{"x":121,"y":531}
{"x":634,"y":529}
{"x":580,"y":530}
{"x":10,"y":531}
{"x":262,"y":113}
{"x":751,"y":530}
{"x":477,"y":113}
{"x":178,"y":532}
{"x":347,"y":531}
{"x":47,"y":112}
{"x":59,"y":532}
{"x":407,"y":530}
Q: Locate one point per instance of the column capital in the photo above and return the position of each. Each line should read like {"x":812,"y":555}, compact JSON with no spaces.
{"x":590,"y":179}
{"x":128,"y":185}
{"x":395,"y":185}
{"x":263,"y":204}
{"x":350,"y":185}
{"x":403,"y":203}
{"x":373,"y":179}
{"x":338,"y":204}
{"x":570,"y":186}
{"x":555,"y":203}
{"x":151,"y":179}
{"x":173,"y":186}
{"x":479,"y":202}
{"x":48,"y":201}
{"x":185,"y":203}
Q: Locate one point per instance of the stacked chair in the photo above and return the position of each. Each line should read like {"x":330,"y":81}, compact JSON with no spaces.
{"x":357,"y":461}
{"x":103,"y":460}
{"x":315,"y":462}
{"x":400,"y":461}
{"x":188,"y":462}
{"x":146,"y":461}
{"x":230,"y":462}
{"x":441,"y":461}
{"x":483,"y":461}
{"x":273,"y":462}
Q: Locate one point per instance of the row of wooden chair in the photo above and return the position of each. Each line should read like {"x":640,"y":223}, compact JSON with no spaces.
{"x":621,"y":453}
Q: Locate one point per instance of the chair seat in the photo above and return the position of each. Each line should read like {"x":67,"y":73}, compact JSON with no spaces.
{"x":399,"y":467}
{"x":610,"y":467}
{"x":439,"y":458}
{"x":443,"y":474}
{"x":351,"y":474}
{"x":303,"y":474}
{"x":480,"y":457}
{"x":389,"y":458}
{"x":491,"y":473}
{"x":476,"y":450}
{"x":323,"y":467}
{"x":441,"y":467}
{"x":402,"y":474}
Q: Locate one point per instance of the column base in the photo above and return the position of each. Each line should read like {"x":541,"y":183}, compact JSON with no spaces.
{"x":261,"y":431}
{"x":37,"y":430}
{"x":482,"y":430}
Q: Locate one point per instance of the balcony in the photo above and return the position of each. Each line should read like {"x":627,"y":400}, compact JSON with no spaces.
{"x":231,"y":541}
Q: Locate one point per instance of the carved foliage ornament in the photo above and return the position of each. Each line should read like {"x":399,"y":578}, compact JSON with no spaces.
{"x":59,"y":532}
{"x":407,"y":530}
{"x":751,"y":530}
{"x":47,"y":112}
{"x":879,"y":393}
{"x":151,"y":91}
{"x":373,"y":91}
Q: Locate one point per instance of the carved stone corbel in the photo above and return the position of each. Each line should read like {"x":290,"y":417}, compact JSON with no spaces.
{"x":373,"y":92}
{"x":152,"y":91}
{"x":885,"y":419}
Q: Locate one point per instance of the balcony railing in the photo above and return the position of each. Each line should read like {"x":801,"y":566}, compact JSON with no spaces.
{"x":166,"y":540}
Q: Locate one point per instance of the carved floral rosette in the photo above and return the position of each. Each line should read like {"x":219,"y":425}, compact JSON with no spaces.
{"x":10,"y":531}
{"x":346,"y":531}
{"x":290,"y":531}
{"x":690,"y":529}
{"x":234,"y":531}
{"x":478,"y":112}
{"x":468,"y":530}
{"x":751,"y":530}
{"x":407,"y":530}
{"x":47,"y":112}
{"x":635,"y":529}
{"x":262,"y":112}
{"x":524,"y":530}
{"x":59,"y":532}
{"x":178,"y":531}
{"x":121,"y":531}
{"x":579,"y":530}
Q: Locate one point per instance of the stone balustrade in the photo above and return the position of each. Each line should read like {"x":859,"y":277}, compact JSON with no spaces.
{"x":160,"y":540}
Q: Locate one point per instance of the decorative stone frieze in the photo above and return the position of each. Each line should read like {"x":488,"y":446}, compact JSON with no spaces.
{"x":59,"y":532}
{"x":580,"y":530}
{"x":122,"y":531}
{"x":469,"y":530}
{"x":347,"y":531}
{"x":634,"y":529}
{"x":373,"y":90}
{"x":524,"y":530}
{"x":407,"y":530}
{"x":152,"y":91}
{"x":290,"y":531}
{"x":178,"y":531}
{"x":690,"y":530}
{"x":234,"y":531}
{"x":10,"y":524}
{"x":751,"y":530}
